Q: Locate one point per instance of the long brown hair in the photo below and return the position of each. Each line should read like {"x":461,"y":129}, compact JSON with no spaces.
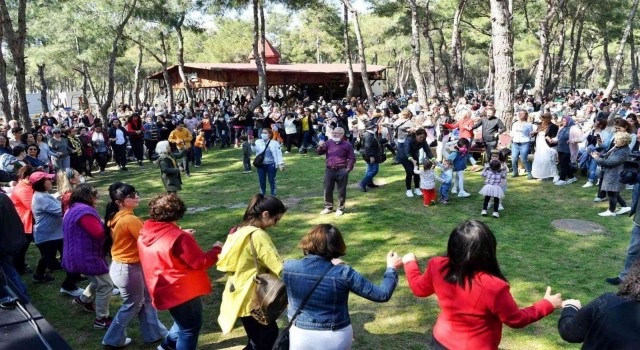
{"x":545,"y":121}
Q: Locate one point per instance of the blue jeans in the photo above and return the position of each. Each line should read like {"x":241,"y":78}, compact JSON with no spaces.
{"x":187,"y":318}
{"x":633,"y":253}
{"x":197,"y":155}
{"x":520,"y":149}
{"x":136,"y":301}
{"x":370,"y":172}
{"x":593,"y":171}
{"x":444,"y":191}
{"x":6,"y":263}
{"x":264,"y":172}
{"x":307,"y":138}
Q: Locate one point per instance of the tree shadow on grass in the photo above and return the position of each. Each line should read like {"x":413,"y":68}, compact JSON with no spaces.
{"x":365,"y":339}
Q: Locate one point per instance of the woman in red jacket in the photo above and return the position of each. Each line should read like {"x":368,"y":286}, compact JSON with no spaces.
{"x":472,"y":292}
{"x":175,"y":270}
{"x":21,"y":197}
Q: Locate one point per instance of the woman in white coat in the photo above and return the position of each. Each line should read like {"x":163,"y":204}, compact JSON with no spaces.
{"x":272,"y":160}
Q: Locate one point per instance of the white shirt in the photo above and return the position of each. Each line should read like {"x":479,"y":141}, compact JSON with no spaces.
{"x":119,"y":137}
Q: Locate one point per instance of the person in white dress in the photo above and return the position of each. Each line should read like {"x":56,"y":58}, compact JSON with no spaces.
{"x":544,"y":159}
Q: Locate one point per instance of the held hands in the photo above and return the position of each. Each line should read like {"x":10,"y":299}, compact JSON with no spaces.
{"x":393,"y":260}
{"x":595,"y":154}
{"x":218,"y":244}
{"x":572,"y":302}
{"x":555,"y":300}
{"x":408,"y":258}
{"x":337,"y":261}
{"x":190,"y":231}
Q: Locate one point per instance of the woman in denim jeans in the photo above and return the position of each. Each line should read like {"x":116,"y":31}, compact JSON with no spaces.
{"x":324,"y":322}
{"x":126,"y":270}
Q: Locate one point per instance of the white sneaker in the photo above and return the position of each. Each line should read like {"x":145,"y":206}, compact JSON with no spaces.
{"x":287,"y":152}
{"x":571,"y":180}
{"x":74,"y":293}
{"x":409,"y":193}
{"x":483,"y":212}
{"x":339,"y":212}
{"x":325,"y":211}
{"x":629,"y":187}
{"x":417,"y":192}
{"x":556,"y":178}
{"x":495,"y":214}
{"x":463,"y":194}
{"x":127,"y":341}
{"x":115,"y":291}
{"x":560,"y":183}
{"x":623,"y":210}
{"x":598,"y":199}
{"x":454,"y":190}
{"x":500,"y":207}
{"x":588,"y":184}
{"x":607,"y":213}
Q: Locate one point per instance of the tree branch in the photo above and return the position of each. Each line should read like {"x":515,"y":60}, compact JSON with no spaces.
{"x":480,"y":30}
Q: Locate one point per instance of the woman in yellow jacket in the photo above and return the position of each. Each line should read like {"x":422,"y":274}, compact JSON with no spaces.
{"x":237,"y":261}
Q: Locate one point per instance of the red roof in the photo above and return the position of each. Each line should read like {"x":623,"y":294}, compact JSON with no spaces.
{"x":269,"y":51}
{"x":297,"y":67}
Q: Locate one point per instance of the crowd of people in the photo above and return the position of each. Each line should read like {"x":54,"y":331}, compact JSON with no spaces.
{"x":150,"y":263}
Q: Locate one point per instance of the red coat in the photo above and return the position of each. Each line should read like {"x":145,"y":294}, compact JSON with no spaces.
{"x":173,"y":279}
{"x":471,"y":318}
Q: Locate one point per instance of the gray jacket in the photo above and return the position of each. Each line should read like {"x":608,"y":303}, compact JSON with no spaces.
{"x":612,"y":164}
{"x":490,"y":127}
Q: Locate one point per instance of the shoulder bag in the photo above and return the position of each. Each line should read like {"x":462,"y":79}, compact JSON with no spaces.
{"x":282,"y":343}
{"x":270,"y":294}
{"x":258,"y":161}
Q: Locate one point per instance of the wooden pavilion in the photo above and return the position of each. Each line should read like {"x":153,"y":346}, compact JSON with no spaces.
{"x":327,"y":80}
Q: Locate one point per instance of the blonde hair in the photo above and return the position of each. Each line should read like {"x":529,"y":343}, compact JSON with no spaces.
{"x":622,"y":138}
{"x":64,"y":181}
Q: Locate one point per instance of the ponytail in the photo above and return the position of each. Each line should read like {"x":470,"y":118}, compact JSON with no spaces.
{"x":261,"y":203}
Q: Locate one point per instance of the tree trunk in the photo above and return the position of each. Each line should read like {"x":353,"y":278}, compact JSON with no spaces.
{"x":618,"y":63}
{"x":185,"y":81}
{"x":544,"y":32}
{"x":502,"y":39}
{"x":432,"y":82}
{"x":559,"y":64}
{"x":605,"y":55}
{"x":5,"y":99}
{"x":576,"y":51}
{"x":490,"y":84}
{"x":43,"y":88}
{"x":104,"y":107}
{"x":136,"y":80}
{"x":347,"y":52}
{"x":634,"y":62}
{"x":415,"y":54}
{"x":258,"y":55}
{"x":361,"y":54}
{"x":445,"y":64}
{"x":457,"y":66}
{"x":165,"y":74}
{"x":15,"y":39}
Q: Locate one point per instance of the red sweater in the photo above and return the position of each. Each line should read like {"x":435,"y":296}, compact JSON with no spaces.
{"x":174,"y":265}
{"x":463,"y":126}
{"x":471,"y":318}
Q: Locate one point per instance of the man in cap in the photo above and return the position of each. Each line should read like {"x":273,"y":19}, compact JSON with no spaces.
{"x":372,"y":155}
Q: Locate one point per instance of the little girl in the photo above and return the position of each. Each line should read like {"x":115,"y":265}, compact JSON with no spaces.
{"x":427,"y":182}
{"x":459,"y":157}
{"x":445,"y":178}
{"x":493,"y":176}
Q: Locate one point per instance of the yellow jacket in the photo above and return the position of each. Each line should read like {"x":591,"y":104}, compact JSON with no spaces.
{"x":125,"y":229}
{"x":181,"y":135}
{"x":236,"y":260}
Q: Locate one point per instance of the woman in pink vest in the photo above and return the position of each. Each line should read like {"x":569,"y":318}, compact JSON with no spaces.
{"x":175,"y":270}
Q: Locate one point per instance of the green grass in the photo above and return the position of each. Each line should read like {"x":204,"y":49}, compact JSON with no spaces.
{"x":532,"y":253}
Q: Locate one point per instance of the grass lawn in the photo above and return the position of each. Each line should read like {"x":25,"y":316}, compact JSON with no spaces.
{"x":532,"y":253}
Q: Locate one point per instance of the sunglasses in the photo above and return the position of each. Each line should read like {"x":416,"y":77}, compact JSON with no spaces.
{"x":33,"y":149}
{"x":57,"y":132}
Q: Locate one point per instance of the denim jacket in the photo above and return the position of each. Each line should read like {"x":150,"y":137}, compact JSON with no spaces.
{"x":327,"y":308}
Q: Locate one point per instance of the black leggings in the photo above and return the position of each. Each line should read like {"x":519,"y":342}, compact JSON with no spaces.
{"x":260,"y":337}
{"x":496,"y":203}
{"x":409,"y":174}
{"x":565,"y":166}
{"x":48,"y":259}
{"x":615,"y":198}
{"x":19,"y":259}
{"x":120,"y":154}
{"x":291,"y":139}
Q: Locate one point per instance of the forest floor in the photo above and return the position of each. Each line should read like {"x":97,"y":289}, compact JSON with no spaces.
{"x":532,"y":253}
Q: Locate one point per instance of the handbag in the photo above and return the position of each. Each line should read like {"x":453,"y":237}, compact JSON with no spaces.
{"x":269,"y":296}
{"x":258,"y":161}
{"x":282,"y":342}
